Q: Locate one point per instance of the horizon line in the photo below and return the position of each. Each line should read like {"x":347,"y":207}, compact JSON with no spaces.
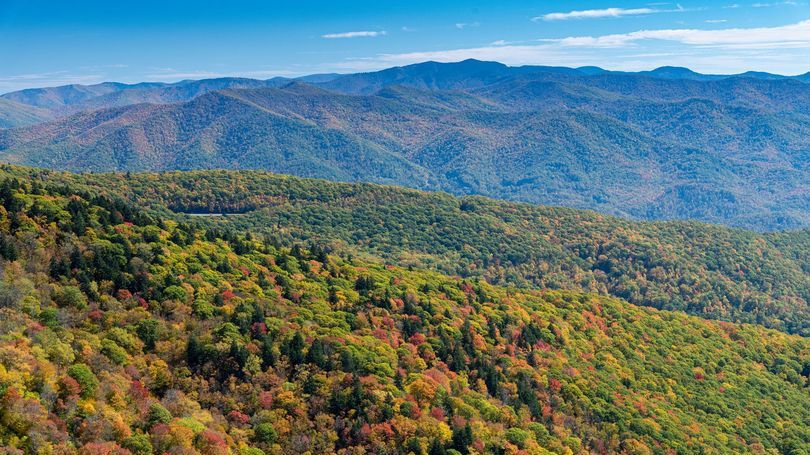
{"x":245,"y":75}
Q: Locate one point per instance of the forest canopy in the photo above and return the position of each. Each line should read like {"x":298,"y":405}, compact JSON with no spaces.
{"x":706,"y":270}
{"x":123,"y":331}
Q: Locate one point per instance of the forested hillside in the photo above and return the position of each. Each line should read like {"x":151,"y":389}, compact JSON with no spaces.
{"x":709,"y":271}
{"x":728,"y":150}
{"x":69,"y":99}
{"x":15,"y":114}
{"x":121,"y":332}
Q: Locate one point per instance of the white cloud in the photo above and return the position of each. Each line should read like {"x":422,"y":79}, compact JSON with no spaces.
{"x":102,"y":67}
{"x":603,"y":13}
{"x":48,"y":79}
{"x":793,"y":35}
{"x":594,"y":14}
{"x":768,"y":5}
{"x":463,"y":25}
{"x":716,"y":21}
{"x":359,"y":34}
{"x":172,"y":75}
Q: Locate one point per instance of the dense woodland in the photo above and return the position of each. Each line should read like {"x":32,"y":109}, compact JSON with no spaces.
{"x":125,"y":333}
{"x":709,"y":271}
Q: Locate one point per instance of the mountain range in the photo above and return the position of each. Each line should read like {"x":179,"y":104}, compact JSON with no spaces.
{"x":663,"y":144}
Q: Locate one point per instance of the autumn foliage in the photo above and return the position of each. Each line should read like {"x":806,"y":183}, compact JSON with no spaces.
{"x":123,"y":333}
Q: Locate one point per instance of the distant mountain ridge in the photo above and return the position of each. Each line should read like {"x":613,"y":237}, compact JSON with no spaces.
{"x":71,"y":98}
{"x":75,"y":98}
{"x":663,"y":145}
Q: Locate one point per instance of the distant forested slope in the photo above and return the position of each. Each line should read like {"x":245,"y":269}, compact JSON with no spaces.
{"x":729,"y":150}
{"x":710,"y":271}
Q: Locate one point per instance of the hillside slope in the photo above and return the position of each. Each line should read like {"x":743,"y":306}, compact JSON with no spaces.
{"x":215,"y":130}
{"x":660,"y":145}
{"x":126,"y":334}
{"x":602,"y":144}
{"x":709,"y":271}
{"x":15,"y":114}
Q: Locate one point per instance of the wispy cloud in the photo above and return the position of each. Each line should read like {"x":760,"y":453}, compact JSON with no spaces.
{"x":463,"y":25}
{"x":769,"y":5}
{"x":716,"y":21}
{"x":358,"y":34}
{"x":175,"y":75}
{"x":603,"y":13}
{"x":793,"y":35}
{"x":171,"y":74}
{"x":46,"y":79}
{"x":102,"y":67}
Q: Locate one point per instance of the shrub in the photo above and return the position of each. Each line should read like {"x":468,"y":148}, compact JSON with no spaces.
{"x":114,"y":352}
{"x":191,"y":424}
{"x":102,"y":448}
{"x":540,"y":431}
{"x":85,"y":377}
{"x":125,"y":339}
{"x":202,"y":309}
{"x":265,"y":433}
{"x":251,"y":451}
{"x":148,"y":333}
{"x":158,"y":414}
{"x":138,"y":444}
{"x":175,"y":293}
{"x":518,"y":437}
{"x":70,"y":296}
{"x":69,"y":387}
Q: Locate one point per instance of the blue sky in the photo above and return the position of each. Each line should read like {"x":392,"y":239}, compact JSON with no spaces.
{"x":45,"y":43}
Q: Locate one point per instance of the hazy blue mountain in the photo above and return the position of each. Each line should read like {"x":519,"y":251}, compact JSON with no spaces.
{"x":215,"y":130}
{"x":676,"y":72}
{"x":464,"y":75}
{"x":318,"y":78}
{"x":13,"y":114}
{"x":803,"y":77}
{"x":730,"y":150}
{"x":75,"y":98}
{"x":471,"y":74}
{"x":59,"y":97}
